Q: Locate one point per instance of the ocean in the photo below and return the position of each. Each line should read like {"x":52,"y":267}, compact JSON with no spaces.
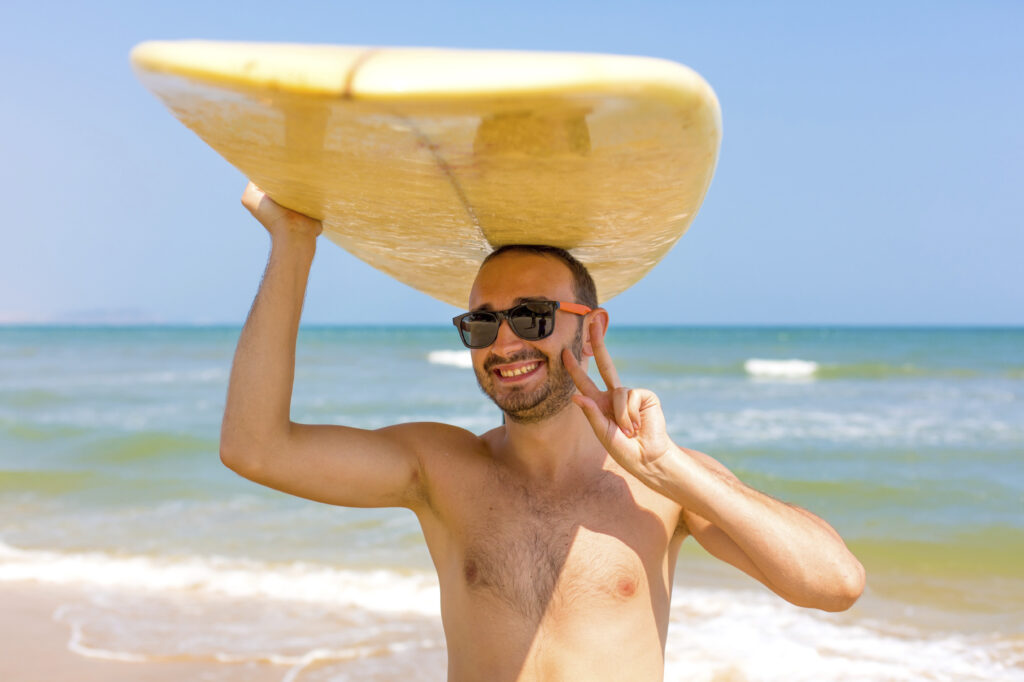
{"x":909,"y":441}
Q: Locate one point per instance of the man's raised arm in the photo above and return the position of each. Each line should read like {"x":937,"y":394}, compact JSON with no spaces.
{"x":333,"y":464}
{"x":793,"y":552}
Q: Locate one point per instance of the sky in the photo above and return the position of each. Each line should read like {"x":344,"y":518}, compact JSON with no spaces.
{"x":871,"y":169}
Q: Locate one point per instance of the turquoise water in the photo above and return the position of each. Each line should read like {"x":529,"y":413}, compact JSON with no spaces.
{"x":909,"y":441}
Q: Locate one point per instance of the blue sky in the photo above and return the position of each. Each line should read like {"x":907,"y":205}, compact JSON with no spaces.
{"x":872,"y":166}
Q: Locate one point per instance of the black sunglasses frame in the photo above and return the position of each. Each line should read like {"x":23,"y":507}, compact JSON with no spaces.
{"x":547,"y":313}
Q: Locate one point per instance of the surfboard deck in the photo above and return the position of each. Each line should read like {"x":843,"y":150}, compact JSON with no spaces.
{"x":422,"y":161}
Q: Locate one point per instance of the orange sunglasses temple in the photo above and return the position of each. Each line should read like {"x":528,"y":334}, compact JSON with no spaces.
{"x":575,"y":308}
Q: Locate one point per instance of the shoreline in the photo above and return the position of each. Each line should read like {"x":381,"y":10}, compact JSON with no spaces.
{"x":36,"y":647}
{"x":39,"y":645}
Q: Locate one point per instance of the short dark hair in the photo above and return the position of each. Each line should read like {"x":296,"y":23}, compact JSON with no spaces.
{"x":582,"y":283}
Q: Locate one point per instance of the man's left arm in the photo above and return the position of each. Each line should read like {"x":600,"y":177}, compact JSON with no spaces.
{"x":794,"y":553}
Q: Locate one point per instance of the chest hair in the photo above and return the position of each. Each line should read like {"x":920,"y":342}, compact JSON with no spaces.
{"x":519,"y":550}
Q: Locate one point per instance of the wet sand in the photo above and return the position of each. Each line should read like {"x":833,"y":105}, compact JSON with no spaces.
{"x":34,"y":647}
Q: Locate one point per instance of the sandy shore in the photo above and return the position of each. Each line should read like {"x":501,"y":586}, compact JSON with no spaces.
{"x":34,"y":647}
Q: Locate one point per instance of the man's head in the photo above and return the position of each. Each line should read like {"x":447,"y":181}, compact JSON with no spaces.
{"x":583,"y":284}
{"x":526,"y":378}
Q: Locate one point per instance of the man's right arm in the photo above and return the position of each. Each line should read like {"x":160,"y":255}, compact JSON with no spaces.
{"x":332,"y":464}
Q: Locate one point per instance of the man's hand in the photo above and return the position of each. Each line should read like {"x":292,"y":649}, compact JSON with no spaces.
{"x":278,"y":220}
{"x":792,"y":551}
{"x":628,"y":422}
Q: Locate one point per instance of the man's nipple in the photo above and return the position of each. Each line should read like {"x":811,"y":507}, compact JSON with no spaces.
{"x":470,"y":572}
{"x":626,"y":587}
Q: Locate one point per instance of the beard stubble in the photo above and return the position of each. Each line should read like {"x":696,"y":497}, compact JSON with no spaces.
{"x":529,"y":407}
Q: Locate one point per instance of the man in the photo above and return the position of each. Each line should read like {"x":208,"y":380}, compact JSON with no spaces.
{"x":554,"y":535}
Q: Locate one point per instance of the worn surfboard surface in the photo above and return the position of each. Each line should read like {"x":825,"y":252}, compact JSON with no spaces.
{"x":421,"y":161}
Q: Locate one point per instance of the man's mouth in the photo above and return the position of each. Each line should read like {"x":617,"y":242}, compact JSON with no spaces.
{"x":515,"y":371}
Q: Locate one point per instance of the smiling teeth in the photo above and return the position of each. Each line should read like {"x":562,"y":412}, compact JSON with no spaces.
{"x":516,"y":372}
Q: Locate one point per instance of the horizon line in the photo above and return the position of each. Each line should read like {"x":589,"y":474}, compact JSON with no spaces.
{"x":440,"y":325}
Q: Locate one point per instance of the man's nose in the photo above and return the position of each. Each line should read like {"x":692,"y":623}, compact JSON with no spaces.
{"x":507,"y":340}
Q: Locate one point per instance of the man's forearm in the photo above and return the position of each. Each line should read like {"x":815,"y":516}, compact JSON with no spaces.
{"x":262,"y":375}
{"x":800,"y":555}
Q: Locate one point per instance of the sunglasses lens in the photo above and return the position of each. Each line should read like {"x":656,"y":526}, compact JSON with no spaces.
{"x":532,"y":321}
{"x":478,"y":330}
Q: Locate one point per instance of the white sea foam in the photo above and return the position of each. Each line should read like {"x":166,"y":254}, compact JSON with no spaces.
{"x":780,"y":369}
{"x":725,"y":635}
{"x":715,"y":633}
{"x":454,"y":358}
{"x":376,"y":590}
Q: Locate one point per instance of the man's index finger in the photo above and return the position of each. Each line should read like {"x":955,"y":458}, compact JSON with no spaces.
{"x":579,"y":376}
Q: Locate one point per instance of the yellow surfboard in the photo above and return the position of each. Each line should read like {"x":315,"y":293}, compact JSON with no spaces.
{"x":421,"y":161}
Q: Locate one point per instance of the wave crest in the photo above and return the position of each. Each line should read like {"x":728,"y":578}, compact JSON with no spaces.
{"x":452,"y":358}
{"x":780,"y":369}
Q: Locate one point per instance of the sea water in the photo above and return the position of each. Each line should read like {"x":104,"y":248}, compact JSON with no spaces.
{"x":909,"y":441}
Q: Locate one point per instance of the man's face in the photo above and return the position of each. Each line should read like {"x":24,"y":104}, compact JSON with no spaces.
{"x":526,"y":379}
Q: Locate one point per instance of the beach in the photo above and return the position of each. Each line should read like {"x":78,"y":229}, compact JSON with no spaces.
{"x":36,"y":647}
{"x":128,"y":552}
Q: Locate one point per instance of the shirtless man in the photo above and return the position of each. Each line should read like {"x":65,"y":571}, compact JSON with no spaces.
{"x":555,"y":535}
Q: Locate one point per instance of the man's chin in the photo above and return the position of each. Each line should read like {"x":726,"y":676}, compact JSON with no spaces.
{"x":531,"y":415}
{"x":542,"y":403}
{"x":518,"y":407}
{"x":535,"y":411}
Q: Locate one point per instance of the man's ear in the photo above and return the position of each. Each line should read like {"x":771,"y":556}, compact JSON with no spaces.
{"x":596,"y":322}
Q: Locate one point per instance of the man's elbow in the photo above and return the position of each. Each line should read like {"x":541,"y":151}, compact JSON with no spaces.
{"x":240,"y":456}
{"x":234,"y":458}
{"x":847,"y":588}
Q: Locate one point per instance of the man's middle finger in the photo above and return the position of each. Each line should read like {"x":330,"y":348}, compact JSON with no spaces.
{"x":603,"y":358}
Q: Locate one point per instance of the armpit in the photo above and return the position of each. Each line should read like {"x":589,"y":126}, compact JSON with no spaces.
{"x":682,"y":529}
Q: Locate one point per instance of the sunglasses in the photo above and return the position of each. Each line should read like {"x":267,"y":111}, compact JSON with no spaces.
{"x":531,"y":321}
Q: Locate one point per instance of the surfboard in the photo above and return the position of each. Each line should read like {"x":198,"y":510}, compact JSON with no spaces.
{"x":421,"y":161}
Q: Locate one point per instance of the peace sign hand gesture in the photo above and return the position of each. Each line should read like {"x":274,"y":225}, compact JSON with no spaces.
{"x":628,"y":422}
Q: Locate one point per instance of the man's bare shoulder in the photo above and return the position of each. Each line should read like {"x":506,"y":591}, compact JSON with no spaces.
{"x":430,"y":440}
{"x":450,"y":460}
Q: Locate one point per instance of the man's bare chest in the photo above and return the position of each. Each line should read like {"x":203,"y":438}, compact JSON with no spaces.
{"x":540,"y":552}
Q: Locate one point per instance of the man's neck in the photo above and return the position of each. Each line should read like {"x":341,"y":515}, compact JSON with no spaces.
{"x":556,"y":450}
